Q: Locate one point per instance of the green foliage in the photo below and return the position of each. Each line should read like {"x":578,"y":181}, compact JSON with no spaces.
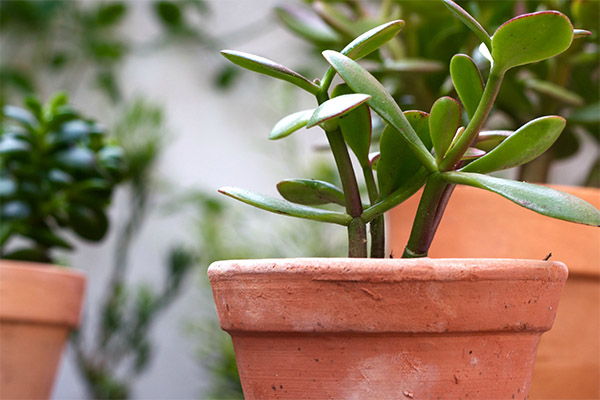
{"x":405,"y":160}
{"x":58,"y":172}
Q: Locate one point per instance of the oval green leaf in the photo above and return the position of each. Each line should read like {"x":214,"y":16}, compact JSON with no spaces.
{"x":336,"y":107}
{"x":397,"y":164}
{"x":541,"y":199}
{"x":89,"y":223}
{"x":467,"y":82}
{"x":373,"y":39}
{"x":361,"y":81}
{"x":444,"y":120}
{"x":310,"y":192}
{"x":469,"y":21}
{"x":290,"y":124}
{"x":555,"y":91}
{"x":529,"y":38}
{"x":285,"y":207}
{"x":267,"y":67}
{"x":356,"y":127}
{"x":526,"y":144}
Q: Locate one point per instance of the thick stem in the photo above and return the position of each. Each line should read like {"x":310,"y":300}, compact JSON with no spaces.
{"x":483,"y":110}
{"x":349,"y":185}
{"x":357,"y":238}
{"x":427,"y":218}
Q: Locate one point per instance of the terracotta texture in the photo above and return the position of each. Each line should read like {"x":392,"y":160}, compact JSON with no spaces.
{"x":39,"y":305}
{"x":568,"y":361}
{"x":386,"y":329}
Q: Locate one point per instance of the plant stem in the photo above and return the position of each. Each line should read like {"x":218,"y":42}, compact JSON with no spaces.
{"x":349,"y":186}
{"x":483,"y":109}
{"x":427,"y":218}
{"x":377,"y":226}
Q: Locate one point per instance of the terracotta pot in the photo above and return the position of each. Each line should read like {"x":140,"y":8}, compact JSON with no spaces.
{"x":39,"y":304}
{"x":478,"y":223}
{"x":386,"y":329}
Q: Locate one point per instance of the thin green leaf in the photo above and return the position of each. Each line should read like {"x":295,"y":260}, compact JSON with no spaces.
{"x":541,"y":199}
{"x":529,"y":38}
{"x":356,"y":127}
{"x":554,"y":91}
{"x":6,"y":230}
{"x":310,"y":192}
{"x":373,"y":39}
{"x":467,"y":82}
{"x":581,"y":33}
{"x":270,"y":68}
{"x":488,"y":140}
{"x":588,"y":115}
{"x":444,"y":120}
{"x":469,"y":21}
{"x":306,"y":24}
{"x":336,"y":107}
{"x":290,"y":124}
{"x":414,"y":65}
{"x":361,"y":81}
{"x":397,"y":164}
{"x":285,"y":207}
{"x":335,"y":19}
{"x":526,"y":144}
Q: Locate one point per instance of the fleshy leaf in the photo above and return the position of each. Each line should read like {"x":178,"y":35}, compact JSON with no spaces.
{"x":469,"y":21}
{"x":472,"y":153}
{"x":270,"y":68}
{"x":526,"y":144}
{"x":541,"y":199}
{"x":374,"y":160}
{"x":336,"y":107}
{"x":467,"y":82}
{"x":89,"y":223}
{"x":581,"y":33}
{"x":285,"y":207}
{"x":488,"y":140}
{"x":335,"y":19}
{"x":397,"y":164}
{"x":414,"y":65}
{"x":529,"y":38}
{"x":310,"y":192}
{"x":290,"y":124}
{"x":373,"y":39}
{"x":361,"y":81}
{"x":444,"y":120}
{"x":356,"y":127}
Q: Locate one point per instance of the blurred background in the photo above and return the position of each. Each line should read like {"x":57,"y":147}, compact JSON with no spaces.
{"x":151,"y":74}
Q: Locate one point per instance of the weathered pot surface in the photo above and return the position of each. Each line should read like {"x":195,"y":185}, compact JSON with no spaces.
{"x":393,"y":329}
{"x":39,"y":305}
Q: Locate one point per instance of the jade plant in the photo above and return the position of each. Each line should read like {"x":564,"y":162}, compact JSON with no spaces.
{"x":57,"y":173}
{"x":436,"y":150}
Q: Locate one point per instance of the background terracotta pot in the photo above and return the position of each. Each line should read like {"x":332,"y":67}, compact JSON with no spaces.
{"x":39,"y":305}
{"x":482,"y":224}
{"x":386,"y":329}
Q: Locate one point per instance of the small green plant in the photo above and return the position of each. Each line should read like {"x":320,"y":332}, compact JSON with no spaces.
{"x":57,"y":172}
{"x":417,"y":149}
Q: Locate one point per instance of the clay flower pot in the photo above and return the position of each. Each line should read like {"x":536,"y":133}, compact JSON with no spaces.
{"x":568,"y":361}
{"x":39,"y":305}
{"x":386,"y":328}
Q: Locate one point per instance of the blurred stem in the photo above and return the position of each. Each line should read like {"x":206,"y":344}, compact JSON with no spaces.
{"x":483,"y":110}
{"x":431,"y":208}
{"x":377,"y":226}
{"x":593,"y":179}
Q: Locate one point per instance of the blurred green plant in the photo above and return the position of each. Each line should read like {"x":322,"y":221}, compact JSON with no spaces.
{"x":412,"y":65}
{"x":57,"y":173}
{"x":119,"y":348}
{"x":73,"y":40}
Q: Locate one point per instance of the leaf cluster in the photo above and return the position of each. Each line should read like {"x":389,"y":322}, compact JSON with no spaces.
{"x":437,"y":149}
{"x":57,"y":173}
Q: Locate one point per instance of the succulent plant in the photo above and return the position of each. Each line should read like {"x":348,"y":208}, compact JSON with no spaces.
{"x":57,"y":172}
{"x":435,"y":150}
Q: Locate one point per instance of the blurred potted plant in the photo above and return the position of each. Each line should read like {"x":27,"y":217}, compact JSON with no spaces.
{"x":57,"y":173}
{"x":418,"y":327}
{"x":412,"y":67}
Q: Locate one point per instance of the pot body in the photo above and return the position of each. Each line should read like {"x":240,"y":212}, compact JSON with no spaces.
{"x":393,"y":329}
{"x":568,"y":361}
{"x":39,"y":305}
